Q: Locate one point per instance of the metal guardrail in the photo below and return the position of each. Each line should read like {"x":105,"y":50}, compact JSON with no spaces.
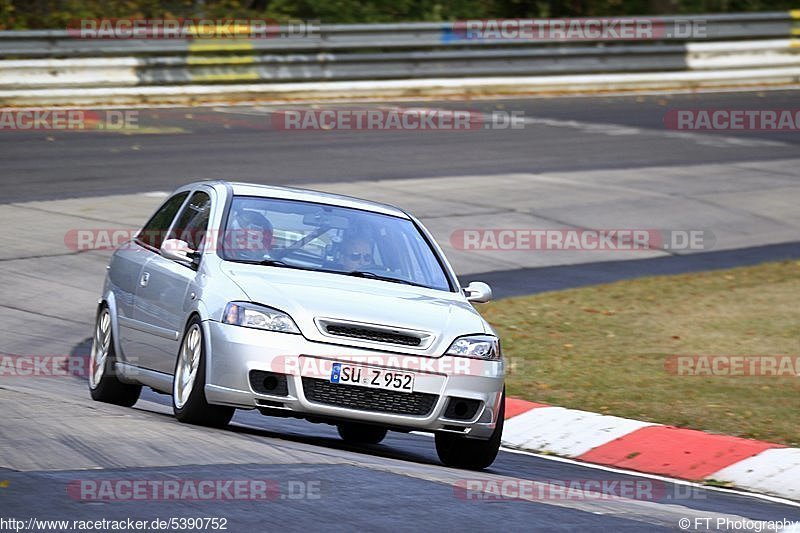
{"x":56,"y":60}
{"x":346,"y":37}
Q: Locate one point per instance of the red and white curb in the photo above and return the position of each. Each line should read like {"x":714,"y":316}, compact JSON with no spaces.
{"x":688,"y":454}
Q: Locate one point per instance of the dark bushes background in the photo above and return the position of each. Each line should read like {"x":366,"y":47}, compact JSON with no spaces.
{"x":56,"y":14}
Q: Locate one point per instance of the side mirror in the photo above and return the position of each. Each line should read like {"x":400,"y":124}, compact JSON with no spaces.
{"x":478,"y":292}
{"x":180,"y":251}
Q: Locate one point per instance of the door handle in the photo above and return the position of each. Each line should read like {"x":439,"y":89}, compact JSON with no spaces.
{"x":145,"y":279}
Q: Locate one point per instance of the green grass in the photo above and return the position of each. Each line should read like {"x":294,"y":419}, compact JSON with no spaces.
{"x":603,"y":348}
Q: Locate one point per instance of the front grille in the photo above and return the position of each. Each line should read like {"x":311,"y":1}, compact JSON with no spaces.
{"x":375,"y":335}
{"x":269,"y":383}
{"x":367,"y":399}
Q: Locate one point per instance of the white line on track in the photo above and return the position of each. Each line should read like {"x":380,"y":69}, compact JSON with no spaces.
{"x":148,"y":405}
{"x":712,"y":139}
{"x":682,"y":482}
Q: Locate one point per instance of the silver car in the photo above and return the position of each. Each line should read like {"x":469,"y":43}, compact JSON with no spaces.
{"x":303,"y":304}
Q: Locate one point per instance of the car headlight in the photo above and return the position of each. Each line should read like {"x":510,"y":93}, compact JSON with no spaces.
{"x":484,"y":347}
{"x":259,"y":317}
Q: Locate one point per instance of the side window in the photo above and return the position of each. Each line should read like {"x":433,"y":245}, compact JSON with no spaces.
{"x":154,"y":232}
{"x":193,"y":221}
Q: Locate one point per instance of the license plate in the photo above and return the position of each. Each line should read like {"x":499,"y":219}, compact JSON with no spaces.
{"x":374,"y":378}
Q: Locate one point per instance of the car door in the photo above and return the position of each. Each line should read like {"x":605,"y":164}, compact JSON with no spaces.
{"x":125,"y":274}
{"x":163,"y":297}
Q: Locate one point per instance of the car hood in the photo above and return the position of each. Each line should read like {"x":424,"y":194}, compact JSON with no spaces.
{"x":308,"y":295}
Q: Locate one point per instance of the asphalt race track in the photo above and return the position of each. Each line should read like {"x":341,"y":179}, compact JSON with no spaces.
{"x":569,"y":134}
{"x":578,"y":162}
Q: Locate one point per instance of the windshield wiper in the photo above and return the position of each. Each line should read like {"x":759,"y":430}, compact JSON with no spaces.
{"x":273,"y":263}
{"x":372,"y":275}
{"x":282,"y":264}
{"x":354,"y":273}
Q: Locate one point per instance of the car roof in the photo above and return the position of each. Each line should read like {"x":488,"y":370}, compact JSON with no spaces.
{"x":309,"y":195}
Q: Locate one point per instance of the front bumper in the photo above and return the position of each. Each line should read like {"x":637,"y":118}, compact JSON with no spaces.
{"x":236,"y":351}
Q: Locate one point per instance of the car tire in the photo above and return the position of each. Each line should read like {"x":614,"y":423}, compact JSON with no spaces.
{"x":188,"y":383}
{"x":355,"y":433}
{"x":104,"y":386}
{"x":459,"y":451}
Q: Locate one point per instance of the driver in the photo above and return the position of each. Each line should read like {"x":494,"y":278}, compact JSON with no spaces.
{"x":356,"y":254}
{"x":250,"y":235}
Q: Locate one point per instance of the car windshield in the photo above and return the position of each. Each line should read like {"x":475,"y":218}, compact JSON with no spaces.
{"x":296,"y":234}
